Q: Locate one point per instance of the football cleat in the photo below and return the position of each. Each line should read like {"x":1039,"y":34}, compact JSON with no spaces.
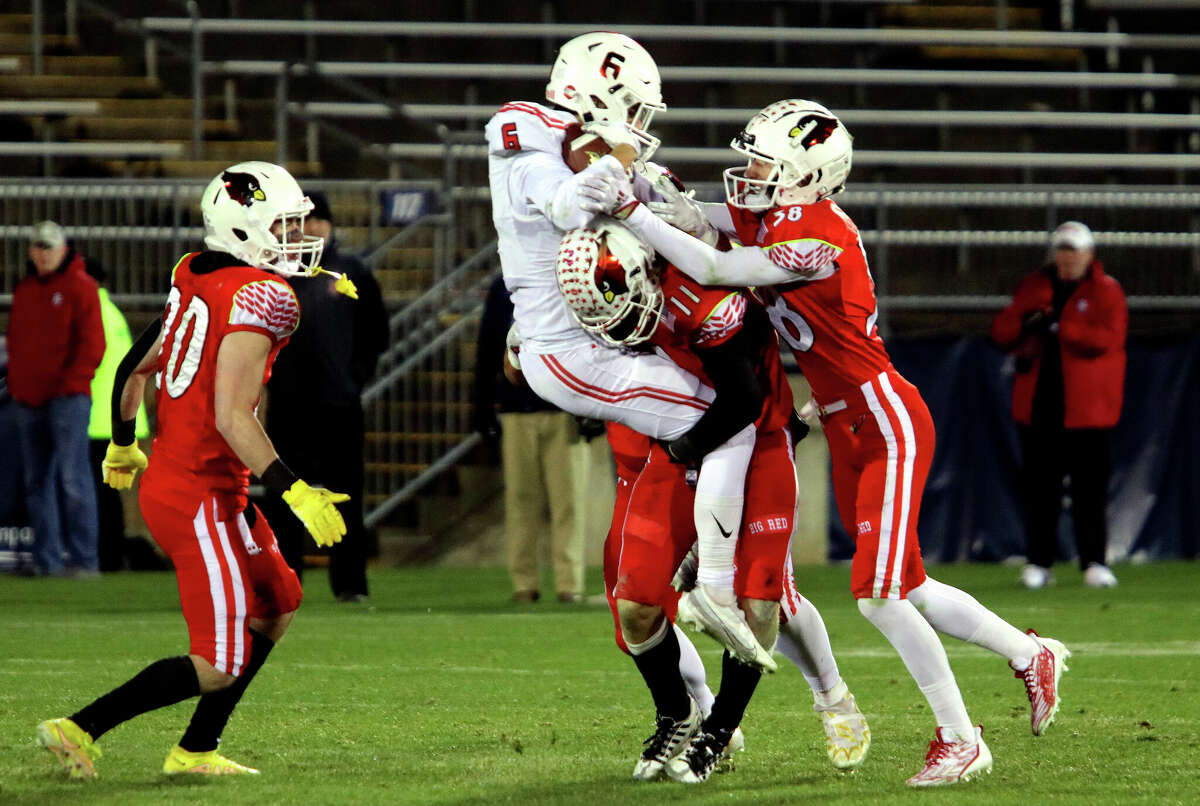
{"x":737,"y":744}
{"x":1099,"y":576}
{"x":847,"y":734}
{"x":208,"y":762}
{"x":71,"y":744}
{"x":1041,"y":681}
{"x":669,"y":739}
{"x":1035,"y":577}
{"x":727,"y":624}
{"x":954,"y":762}
{"x":696,"y":764}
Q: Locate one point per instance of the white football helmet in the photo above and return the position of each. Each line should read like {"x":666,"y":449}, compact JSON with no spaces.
{"x":610,"y":78}
{"x":807,"y":147}
{"x":241,"y":207}
{"x":606,"y":276}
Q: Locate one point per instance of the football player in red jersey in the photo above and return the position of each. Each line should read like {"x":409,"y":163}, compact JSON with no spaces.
{"x":228,"y":314}
{"x":616,"y":291}
{"x":804,"y":254}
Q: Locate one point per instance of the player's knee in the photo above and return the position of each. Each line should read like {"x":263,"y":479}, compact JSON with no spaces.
{"x":637,"y":620}
{"x":763,"y":618}
{"x":211,"y":679}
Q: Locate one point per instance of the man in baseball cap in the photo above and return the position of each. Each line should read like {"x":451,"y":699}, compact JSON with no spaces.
{"x":1075,"y":236}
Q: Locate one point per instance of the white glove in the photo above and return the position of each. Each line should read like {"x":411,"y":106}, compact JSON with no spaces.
{"x":678,"y":209}
{"x":512,"y":345}
{"x":604,"y":194}
{"x":614,"y":134}
{"x":685,"y":576}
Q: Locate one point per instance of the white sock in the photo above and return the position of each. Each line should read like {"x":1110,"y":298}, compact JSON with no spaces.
{"x":720,"y":492}
{"x":804,"y":641}
{"x":925,"y":657}
{"x":691,"y":668}
{"x":957,"y":613}
{"x":654,"y":640}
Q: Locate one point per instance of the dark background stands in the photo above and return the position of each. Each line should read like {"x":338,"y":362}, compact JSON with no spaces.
{"x":314,"y":414}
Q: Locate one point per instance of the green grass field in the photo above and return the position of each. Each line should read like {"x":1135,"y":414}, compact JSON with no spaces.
{"x":444,"y":692}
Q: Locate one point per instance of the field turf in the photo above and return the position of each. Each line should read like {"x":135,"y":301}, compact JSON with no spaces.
{"x":443,"y":692}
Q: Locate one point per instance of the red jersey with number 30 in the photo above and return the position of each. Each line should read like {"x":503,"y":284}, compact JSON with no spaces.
{"x":696,"y":317}
{"x":190,"y":457}
{"x":828,"y":315}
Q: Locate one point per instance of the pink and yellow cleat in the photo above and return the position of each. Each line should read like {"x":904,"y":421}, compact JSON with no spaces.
{"x":71,"y":744}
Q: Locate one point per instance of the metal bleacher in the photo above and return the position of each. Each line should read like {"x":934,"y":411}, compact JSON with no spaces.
{"x":978,"y":126}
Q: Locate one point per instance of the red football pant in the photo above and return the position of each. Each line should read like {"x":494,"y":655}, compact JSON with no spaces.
{"x":881,"y":446}
{"x":652,"y":527}
{"x":227,"y":572}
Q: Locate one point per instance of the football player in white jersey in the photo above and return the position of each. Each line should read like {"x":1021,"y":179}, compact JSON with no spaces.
{"x":609,"y":83}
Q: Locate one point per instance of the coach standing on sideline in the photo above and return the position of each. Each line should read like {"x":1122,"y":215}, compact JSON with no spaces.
{"x":1066,"y":325}
{"x":55,"y":342}
{"x":314,"y":415}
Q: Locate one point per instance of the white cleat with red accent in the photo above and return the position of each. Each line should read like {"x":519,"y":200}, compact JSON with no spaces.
{"x":954,"y":762}
{"x":1041,"y":681}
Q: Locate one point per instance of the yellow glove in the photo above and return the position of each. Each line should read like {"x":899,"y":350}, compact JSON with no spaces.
{"x":315,"y":509}
{"x":121,"y":463}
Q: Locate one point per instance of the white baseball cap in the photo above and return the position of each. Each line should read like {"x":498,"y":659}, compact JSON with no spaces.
{"x":48,"y":234}
{"x":1072,"y":235}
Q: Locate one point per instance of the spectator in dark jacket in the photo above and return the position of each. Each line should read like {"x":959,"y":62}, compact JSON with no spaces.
{"x":55,"y":342}
{"x":1066,"y":326}
{"x":314,"y":411}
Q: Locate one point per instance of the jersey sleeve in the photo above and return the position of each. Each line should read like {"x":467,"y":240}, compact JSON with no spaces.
{"x":805,"y":240}
{"x":265,"y":306}
{"x":722,"y":322}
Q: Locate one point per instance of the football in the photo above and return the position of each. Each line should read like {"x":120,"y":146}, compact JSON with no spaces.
{"x":580,"y":150}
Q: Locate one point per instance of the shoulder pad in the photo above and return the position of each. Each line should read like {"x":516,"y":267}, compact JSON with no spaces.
{"x":524,"y":126}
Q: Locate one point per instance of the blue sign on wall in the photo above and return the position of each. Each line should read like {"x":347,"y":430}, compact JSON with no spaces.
{"x":405,"y":206}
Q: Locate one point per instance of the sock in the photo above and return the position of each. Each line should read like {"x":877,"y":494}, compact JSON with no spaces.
{"x":925,"y":658}
{"x":691,"y":668}
{"x":657,"y":658}
{"x":717,"y":513}
{"x":212,"y":712}
{"x":738,"y":682}
{"x":957,"y":613}
{"x":162,"y":683}
{"x":829,"y":700}
{"x":804,"y":641}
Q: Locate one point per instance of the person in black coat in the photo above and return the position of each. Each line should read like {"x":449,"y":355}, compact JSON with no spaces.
{"x":314,"y":411}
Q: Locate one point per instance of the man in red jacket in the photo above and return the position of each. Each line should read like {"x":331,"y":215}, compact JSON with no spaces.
{"x":55,"y":343}
{"x":1066,"y":326}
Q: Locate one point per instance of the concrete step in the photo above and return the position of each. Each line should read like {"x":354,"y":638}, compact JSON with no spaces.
{"x":75,"y":65}
{"x":934,"y":15}
{"x":19,"y":44}
{"x":66,"y":86}
{"x":138,"y":128}
{"x":15,"y":23}
{"x":1046,"y":56}
{"x":200,"y":169}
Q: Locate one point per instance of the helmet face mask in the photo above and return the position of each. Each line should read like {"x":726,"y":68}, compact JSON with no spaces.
{"x":806,"y":148}
{"x":255,"y":211}
{"x":609,"y":78}
{"x":606,"y":275}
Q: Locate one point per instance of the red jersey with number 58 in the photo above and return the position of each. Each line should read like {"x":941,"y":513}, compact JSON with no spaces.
{"x":828,"y":315}
{"x":211,"y":296}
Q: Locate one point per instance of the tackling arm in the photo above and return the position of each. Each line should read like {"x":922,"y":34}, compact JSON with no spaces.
{"x":738,"y":402}
{"x":748,"y":266}
{"x":545,"y":183}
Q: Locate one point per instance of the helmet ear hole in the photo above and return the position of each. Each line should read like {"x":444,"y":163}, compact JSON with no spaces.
{"x":241,"y":234}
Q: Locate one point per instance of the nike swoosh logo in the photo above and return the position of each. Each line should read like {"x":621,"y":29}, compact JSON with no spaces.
{"x":722,"y":529}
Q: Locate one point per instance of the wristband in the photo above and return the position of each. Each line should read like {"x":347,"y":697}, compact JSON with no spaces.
{"x":278,"y":478}
{"x":124,"y":433}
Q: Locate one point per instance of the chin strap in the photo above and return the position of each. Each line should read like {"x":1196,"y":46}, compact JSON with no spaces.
{"x":344,"y":285}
